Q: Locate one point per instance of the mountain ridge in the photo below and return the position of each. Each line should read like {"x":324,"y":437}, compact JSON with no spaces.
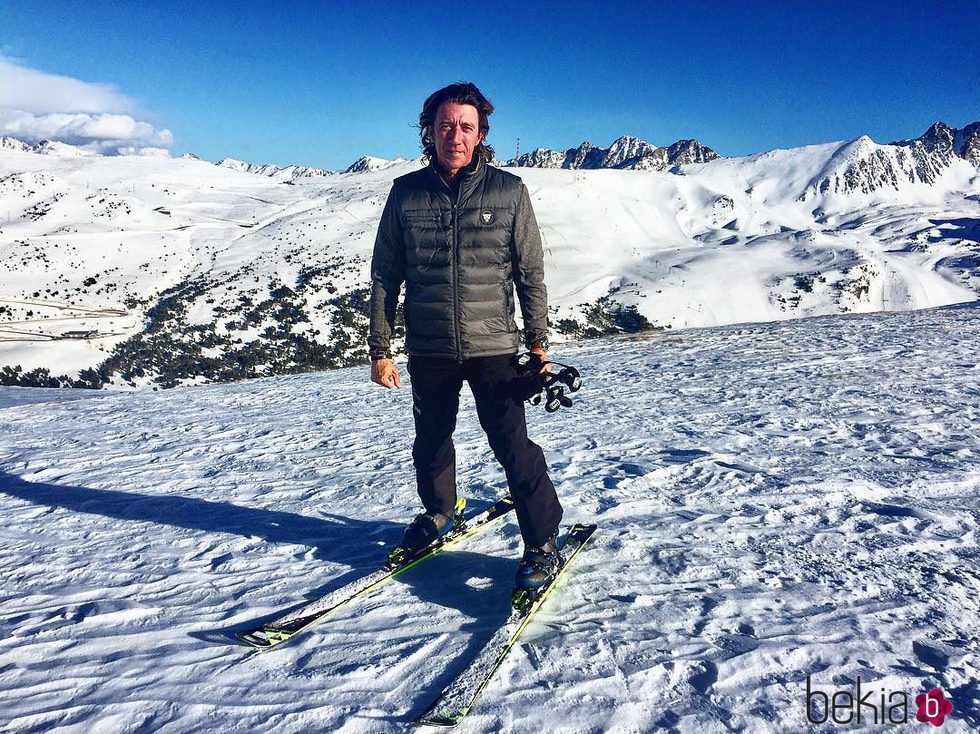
{"x":861,"y":165}
{"x":624,"y":153}
{"x":131,"y":271}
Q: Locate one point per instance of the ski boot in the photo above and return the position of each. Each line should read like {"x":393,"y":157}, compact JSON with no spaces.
{"x":424,"y":530}
{"x":537,"y":568}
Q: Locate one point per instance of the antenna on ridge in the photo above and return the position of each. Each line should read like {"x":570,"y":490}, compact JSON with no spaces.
{"x":517,"y":150}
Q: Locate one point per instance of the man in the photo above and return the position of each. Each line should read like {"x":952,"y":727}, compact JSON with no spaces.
{"x":460,"y":234}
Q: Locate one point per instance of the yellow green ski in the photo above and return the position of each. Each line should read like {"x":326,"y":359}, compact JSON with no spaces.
{"x":297,"y":621}
{"x":458,"y":697}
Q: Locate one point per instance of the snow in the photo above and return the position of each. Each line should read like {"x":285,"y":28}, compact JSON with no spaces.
{"x":774,"y":501}
{"x":723,"y":242}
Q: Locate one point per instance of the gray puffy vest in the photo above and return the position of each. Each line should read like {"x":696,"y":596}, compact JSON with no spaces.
{"x":460,"y":256}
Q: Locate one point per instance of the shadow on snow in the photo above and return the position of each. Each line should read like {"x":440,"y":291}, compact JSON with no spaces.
{"x":359,"y":544}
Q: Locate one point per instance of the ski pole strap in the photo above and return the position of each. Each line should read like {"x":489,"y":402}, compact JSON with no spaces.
{"x":535,"y":380}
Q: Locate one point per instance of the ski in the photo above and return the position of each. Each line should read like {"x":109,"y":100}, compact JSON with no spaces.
{"x":288,"y":626}
{"x":458,"y":697}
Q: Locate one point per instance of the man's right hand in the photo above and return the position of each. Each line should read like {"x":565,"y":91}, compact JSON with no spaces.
{"x":537,"y":349}
{"x":385,"y":373}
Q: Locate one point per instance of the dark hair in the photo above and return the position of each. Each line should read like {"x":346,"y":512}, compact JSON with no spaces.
{"x":460,"y":93}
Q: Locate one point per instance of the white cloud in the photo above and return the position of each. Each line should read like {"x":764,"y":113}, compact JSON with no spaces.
{"x":31,"y":90}
{"x":103,"y":133}
{"x":36,"y":105}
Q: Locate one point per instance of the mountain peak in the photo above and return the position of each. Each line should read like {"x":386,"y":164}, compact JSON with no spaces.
{"x":688,"y":151}
{"x":272,"y":170}
{"x":966,"y":143}
{"x":937,"y":128}
{"x":861,"y":165}
{"x":54,"y":147}
{"x":939,"y":136}
{"x":9,"y":143}
{"x":626,"y":152}
{"x":234,"y":164}
{"x":370,"y":163}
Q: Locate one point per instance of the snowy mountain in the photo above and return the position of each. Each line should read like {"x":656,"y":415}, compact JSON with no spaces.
{"x":624,"y":153}
{"x":864,"y":166}
{"x":779,"y":506}
{"x":272,"y":170}
{"x":370,"y":164}
{"x":684,"y":152}
{"x":129,"y":271}
{"x":9,"y":143}
{"x":966,"y":143}
{"x":365,"y":164}
{"x":63,"y":150}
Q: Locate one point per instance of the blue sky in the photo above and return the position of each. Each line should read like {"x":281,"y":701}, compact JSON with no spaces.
{"x":323,"y":83}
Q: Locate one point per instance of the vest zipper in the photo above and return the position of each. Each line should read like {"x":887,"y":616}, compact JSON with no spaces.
{"x":456,"y":306}
{"x":454,"y":202}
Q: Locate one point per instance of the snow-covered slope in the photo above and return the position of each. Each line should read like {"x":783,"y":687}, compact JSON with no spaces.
{"x":171,"y":271}
{"x":776,"y":502}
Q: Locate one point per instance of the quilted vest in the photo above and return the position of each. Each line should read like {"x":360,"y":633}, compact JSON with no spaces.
{"x":459,"y":289}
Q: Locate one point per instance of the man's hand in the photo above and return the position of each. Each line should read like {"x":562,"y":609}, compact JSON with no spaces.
{"x":539,"y":350}
{"x":384,"y":373}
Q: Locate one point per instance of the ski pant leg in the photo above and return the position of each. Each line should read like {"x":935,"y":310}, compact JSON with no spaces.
{"x":500,"y":406}
{"x":435,"y":401}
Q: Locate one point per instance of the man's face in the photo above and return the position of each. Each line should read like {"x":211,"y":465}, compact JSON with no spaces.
{"x":456,"y":132}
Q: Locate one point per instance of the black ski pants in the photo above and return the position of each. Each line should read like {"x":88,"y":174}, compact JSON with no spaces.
{"x":436,"y":384}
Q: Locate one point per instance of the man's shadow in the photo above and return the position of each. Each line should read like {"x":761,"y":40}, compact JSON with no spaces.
{"x":359,"y":544}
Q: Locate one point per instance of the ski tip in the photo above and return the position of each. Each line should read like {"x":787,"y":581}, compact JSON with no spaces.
{"x":441,"y":719}
{"x":264,"y":638}
{"x":253,"y":641}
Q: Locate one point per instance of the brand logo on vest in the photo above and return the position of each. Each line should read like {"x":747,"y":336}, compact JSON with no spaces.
{"x":486,"y":216}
